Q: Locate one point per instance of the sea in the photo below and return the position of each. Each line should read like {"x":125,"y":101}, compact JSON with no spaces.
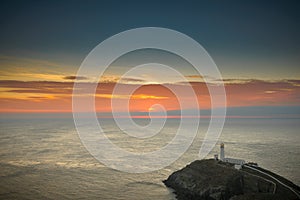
{"x":42,"y":157}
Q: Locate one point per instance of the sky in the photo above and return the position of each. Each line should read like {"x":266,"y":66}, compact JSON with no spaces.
{"x":255,"y":44}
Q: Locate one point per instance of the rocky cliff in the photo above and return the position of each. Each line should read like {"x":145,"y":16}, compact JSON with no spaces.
{"x":216,"y":180}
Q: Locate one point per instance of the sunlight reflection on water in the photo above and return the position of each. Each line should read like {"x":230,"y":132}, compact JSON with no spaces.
{"x":43,"y":158}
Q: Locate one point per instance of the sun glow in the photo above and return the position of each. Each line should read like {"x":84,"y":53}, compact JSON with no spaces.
{"x":151,"y":109}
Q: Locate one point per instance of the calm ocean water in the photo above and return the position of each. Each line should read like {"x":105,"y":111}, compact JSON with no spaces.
{"x":43,"y":158}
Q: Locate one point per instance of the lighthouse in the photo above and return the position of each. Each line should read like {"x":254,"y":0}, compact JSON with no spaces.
{"x":238,"y":163}
{"x":222,"y":152}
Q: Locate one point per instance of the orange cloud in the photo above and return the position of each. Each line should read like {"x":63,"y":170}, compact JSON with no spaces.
{"x":75,"y":77}
{"x":51,"y":96}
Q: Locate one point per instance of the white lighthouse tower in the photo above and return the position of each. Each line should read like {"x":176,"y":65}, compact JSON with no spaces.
{"x":238,"y":163}
{"x":222,"y":152}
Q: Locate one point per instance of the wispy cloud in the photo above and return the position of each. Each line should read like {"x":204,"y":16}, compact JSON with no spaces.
{"x":194,"y":76}
{"x":132,"y":80}
{"x":75,"y":78}
{"x":135,"y":96}
{"x":45,"y":95}
{"x":27,"y":69}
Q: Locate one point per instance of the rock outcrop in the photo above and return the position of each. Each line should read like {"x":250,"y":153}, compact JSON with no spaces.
{"x":216,"y":180}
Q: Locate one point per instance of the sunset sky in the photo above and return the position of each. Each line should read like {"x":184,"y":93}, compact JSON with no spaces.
{"x":255,"y":44}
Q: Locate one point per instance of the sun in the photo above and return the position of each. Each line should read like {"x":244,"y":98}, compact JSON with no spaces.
{"x":151,"y":109}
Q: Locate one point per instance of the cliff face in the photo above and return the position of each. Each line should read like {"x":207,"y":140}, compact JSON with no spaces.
{"x":215,"y":180}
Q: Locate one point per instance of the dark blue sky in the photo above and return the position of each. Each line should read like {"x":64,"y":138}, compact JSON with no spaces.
{"x":245,"y":38}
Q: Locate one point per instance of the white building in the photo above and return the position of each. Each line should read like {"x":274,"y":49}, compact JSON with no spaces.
{"x":216,"y":157}
{"x":234,"y":161}
{"x":222,"y":152}
{"x":238,"y":163}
